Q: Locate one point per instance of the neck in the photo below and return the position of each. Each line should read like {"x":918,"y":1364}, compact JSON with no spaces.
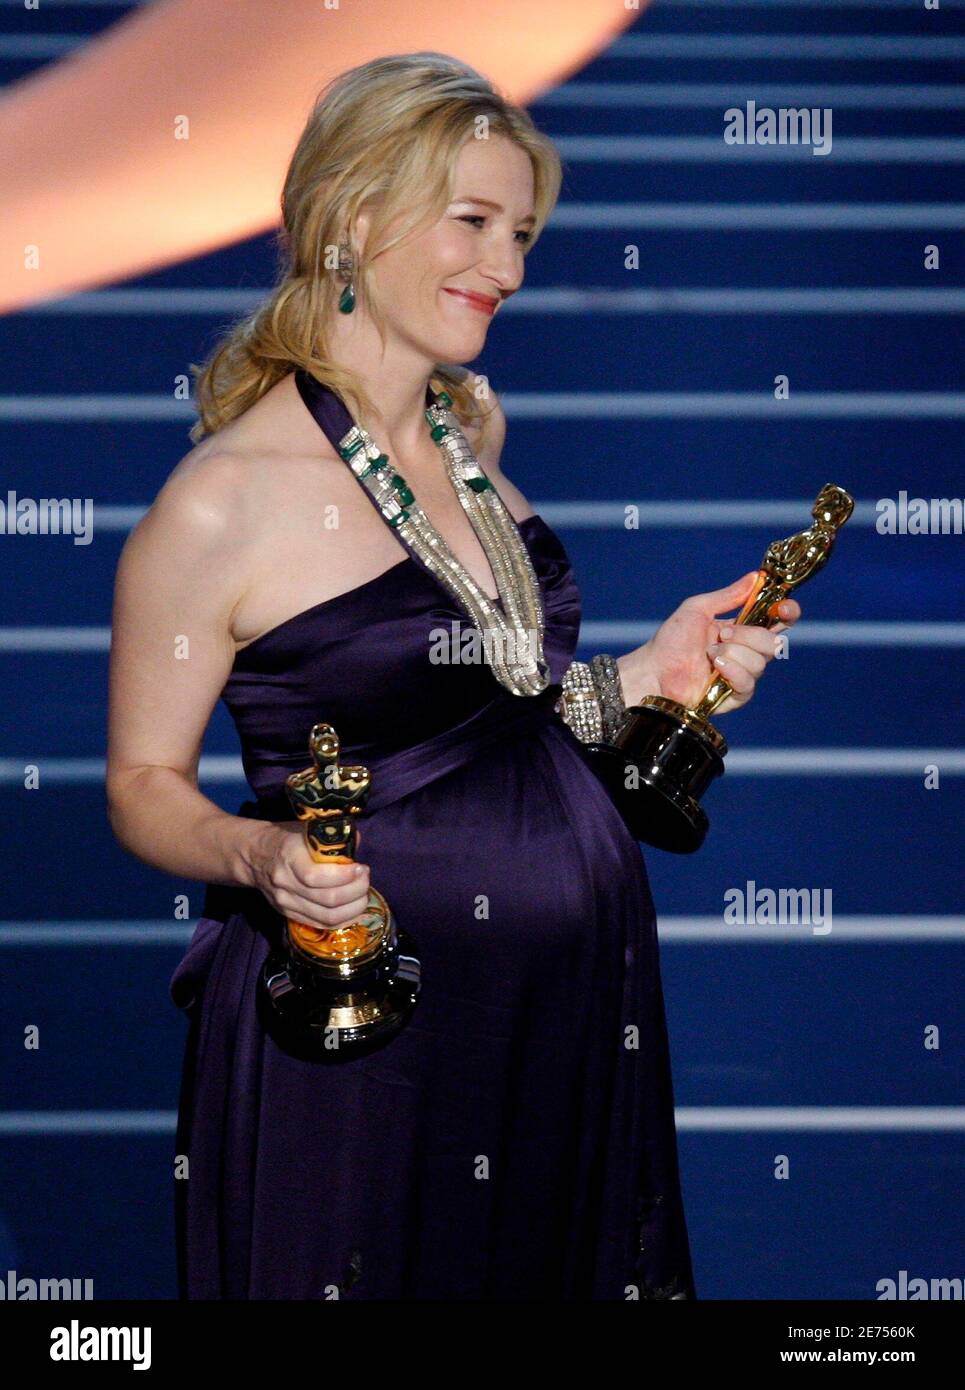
{"x":395,"y":378}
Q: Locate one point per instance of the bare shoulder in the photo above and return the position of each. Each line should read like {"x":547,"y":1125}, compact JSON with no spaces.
{"x":200,"y":518}
{"x":204,"y":489}
{"x":231,"y":488}
{"x":178,"y":580}
{"x":184,"y":563}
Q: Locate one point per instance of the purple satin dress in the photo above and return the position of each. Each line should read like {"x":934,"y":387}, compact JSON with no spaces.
{"x":516,"y":1140}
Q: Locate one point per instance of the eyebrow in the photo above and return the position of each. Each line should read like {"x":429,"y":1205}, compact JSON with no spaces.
{"x":486,"y":202}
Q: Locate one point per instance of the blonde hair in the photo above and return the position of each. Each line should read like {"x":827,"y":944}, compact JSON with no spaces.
{"x":385,"y":135}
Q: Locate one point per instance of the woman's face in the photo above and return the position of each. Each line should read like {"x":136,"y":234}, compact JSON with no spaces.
{"x":474,"y":249}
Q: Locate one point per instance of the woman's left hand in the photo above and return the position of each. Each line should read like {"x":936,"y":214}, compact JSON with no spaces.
{"x":694,"y":644}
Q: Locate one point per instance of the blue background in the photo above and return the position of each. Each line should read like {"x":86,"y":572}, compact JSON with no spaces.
{"x":787,"y":1019}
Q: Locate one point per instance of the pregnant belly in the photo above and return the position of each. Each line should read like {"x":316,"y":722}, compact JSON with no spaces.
{"x":513,"y":875}
{"x":526,"y":900}
{"x":518,"y":856}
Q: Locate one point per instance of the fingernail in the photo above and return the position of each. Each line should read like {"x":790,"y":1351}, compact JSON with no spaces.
{"x":726,"y":632}
{"x":719,"y":661}
{"x":359,"y":871}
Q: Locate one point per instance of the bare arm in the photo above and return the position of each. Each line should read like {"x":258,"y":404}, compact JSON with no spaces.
{"x":178,"y":580}
{"x":180,"y":577}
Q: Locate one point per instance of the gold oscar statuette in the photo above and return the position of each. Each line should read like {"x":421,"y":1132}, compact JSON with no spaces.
{"x":339,"y":990}
{"x":664,"y":755}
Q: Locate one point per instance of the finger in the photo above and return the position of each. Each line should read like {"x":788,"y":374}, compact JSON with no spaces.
{"x":339,"y":894}
{"x":720,"y":600}
{"x":333,"y":876}
{"x":790,"y":610}
{"x":313,"y":914}
{"x":737,"y":594}
{"x":758,"y":639}
{"x":309,"y":874}
{"x":741,"y":667}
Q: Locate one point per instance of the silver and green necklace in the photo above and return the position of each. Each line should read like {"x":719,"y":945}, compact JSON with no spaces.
{"x":513,"y":634}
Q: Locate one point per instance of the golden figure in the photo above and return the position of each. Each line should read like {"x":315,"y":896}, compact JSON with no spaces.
{"x":786,"y":564}
{"x":327,"y":797}
{"x":674,"y":752}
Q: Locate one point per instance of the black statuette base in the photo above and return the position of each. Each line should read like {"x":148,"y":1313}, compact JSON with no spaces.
{"x":313,"y":1015}
{"x":668,"y":764}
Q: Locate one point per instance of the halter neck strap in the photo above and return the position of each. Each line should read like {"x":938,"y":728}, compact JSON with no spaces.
{"x":328,"y":408}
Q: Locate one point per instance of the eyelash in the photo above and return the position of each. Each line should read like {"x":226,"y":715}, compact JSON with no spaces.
{"x":478,"y":217}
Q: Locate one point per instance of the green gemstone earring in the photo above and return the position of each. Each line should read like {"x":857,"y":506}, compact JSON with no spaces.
{"x":346,"y":302}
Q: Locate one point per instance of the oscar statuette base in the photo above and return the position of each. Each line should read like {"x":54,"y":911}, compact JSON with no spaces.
{"x":332,"y":1010}
{"x":660,"y":763}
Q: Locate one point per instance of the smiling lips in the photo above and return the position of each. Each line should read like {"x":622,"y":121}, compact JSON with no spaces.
{"x":483,"y":302}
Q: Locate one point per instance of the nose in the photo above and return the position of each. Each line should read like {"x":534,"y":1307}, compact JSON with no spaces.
{"x":502,"y":265}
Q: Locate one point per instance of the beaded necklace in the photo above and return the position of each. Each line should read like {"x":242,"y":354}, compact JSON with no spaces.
{"x":513,"y":633}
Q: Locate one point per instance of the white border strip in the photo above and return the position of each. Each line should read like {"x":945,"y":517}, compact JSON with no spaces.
{"x":224,"y":769}
{"x":894,"y":1119}
{"x":632,"y":632}
{"x":904,"y":930}
{"x":38,"y":47}
{"x":655,"y":300}
{"x":933,"y":96}
{"x":941,"y":48}
{"x":603,"y":515}
{"x":555,"y":405}
{"x":846,"y":1118}
{"x":552,"y":300}
{"x":159,"y":932}
{"x":756,"y":216}
{"x":585,"y":514}
{"x":844,"y":762}
{"x":63,"y":1122}
{"x":55,"y":639}
{"x":805,"y":634}
{"x":713,"y":149}
{"x":745,"y":405}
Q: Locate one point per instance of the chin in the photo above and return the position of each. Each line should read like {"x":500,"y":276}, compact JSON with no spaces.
{"x":461,"y":356}
{"x":458,"y":350}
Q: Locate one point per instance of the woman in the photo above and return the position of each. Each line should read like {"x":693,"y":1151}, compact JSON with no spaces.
{"x":516,"y":1138}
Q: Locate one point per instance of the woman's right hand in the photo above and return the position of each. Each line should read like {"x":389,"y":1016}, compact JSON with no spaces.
{"x":319,"y":895}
